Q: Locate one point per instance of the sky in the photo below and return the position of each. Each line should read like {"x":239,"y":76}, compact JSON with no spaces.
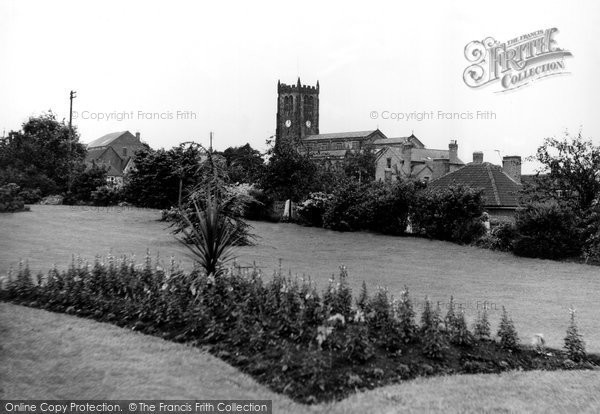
{"x":175,"y":71}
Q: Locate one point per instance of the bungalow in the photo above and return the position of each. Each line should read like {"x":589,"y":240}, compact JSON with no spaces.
{"x":501,"y":185}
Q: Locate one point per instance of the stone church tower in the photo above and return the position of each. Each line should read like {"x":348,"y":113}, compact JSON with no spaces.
{"x":297,"y":112}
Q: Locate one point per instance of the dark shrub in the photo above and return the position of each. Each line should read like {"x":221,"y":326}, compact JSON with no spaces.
{"x":107,"y":196}
{"x":10,"y":201}
{"x":345,"y":212}
{"x":547,"y":230}
{"x":452,"y":213}
{"x":386,"y":206}
{"x":30,"y":195}
{"x":311,"y":210}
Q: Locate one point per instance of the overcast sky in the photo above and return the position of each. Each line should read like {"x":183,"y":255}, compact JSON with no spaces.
{"x":221,"y":61}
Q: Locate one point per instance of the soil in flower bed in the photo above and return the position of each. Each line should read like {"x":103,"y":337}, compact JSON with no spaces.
{"x":317,"y":375}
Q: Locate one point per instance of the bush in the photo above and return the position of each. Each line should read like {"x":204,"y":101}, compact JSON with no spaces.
{"x":481,"y":328}
{"x":107,"y":196}
{"x":375,"y":206}
{"x":10,"y":201}
{"x":547,"y":230}
{"x":281,"y":331}
{"x":311,"y":211}
{"x":452,"y":213}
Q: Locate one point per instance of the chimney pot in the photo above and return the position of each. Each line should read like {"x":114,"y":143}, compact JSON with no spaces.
{"x":478,"y":157}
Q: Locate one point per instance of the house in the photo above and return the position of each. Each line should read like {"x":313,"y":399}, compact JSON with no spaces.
{"x":500,"y":184}
{"x":407,"y":157}
{"x":114,"y":151}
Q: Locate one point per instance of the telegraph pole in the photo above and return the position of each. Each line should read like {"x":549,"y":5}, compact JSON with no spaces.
{"x":72,"y":96}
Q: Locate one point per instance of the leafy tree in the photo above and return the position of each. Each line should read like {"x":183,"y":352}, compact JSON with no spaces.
{"x":159,"y":174}
{"x":289,"y":174}
{"x":570,"y":171}
{"x":360,"y":165}
{"x":42,"y":154}
{"x":244,"y":164}
{"x":85,"y":182}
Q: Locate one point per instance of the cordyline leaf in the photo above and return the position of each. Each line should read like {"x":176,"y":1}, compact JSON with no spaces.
{"x":212,"y":237}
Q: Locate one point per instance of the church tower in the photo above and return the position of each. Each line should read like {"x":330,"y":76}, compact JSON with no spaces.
{"x":297,"y":112}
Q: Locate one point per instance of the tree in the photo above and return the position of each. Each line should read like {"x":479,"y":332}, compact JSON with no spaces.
{"x":42,"y":155}
{"x":244,"y":164}
{"x":360,"y":164}
{"x":158,"y":175}
{"x":570,"y":171}
{"x":85,"y":182}
{"x":289,"y":174}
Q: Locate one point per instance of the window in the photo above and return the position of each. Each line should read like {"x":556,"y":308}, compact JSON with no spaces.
{"x":389,"y":163}
{"x":124,"y":151}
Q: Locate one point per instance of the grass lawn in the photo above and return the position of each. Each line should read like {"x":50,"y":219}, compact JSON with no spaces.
{"x":537,"y":293}
{"x":58,"y":356}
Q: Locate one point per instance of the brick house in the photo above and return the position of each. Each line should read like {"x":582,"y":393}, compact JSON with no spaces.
{"x":114,"y":151}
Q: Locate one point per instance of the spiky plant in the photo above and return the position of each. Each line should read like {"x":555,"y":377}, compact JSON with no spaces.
{"x":431,"y":335}
{"x":509,"y":339}
{"x":481,"y":329}
{"x":574,"y":344}
{"x":212,"y":235}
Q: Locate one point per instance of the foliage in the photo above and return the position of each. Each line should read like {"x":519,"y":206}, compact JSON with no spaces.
{"x":85,"y":182}
{"x":481,"y":328}
{"x":547,"y":230}
{"x":571,"y":168}
{"x":310,"y":211}
{"x":212,"y":235}
{"x":574,"y":344}
{"x":244,"y":164}
{"x":279,"y":330}
{"x":10,"y":201}
{"x":434,"y":343}
{"x":360,"y":165}
{"x":509,"y":339}
{"x":107,"y":195}
{"x":158,"y":175}
{"x":289,"y":174}
{"x":345,"y":211}
{"x":42,"y":155}
{"x":501,"y":237}
{"x":452,"y":213}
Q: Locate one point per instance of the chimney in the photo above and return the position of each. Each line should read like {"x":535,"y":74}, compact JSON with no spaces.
{"x":453,"y":152}
{"x":137,"y":136}
{"x":441,"y":166}
{"x":407,"y":158}
{"x":478,"y":157}
{"x":511,"y":165}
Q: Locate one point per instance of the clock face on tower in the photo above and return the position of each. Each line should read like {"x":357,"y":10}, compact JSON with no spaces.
{"x":288,"y":123}
{"x":308,"y":124}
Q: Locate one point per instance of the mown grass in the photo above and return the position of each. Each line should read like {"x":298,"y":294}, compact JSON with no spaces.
{"x":537,"y":293}
{"x":48,"y":355}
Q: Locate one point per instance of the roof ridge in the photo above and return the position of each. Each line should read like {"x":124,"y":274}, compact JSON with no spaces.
{"x":493,"y":182}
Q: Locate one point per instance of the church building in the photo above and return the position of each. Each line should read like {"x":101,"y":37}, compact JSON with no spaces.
{"x":401,"y":157}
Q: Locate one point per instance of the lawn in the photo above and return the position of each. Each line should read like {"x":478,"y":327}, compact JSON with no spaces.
{"x":58,"y":356}
{"x":537,"y":293}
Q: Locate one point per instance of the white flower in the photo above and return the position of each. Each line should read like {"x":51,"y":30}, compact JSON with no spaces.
{"x":337,"y":317}
{"x":359,"y":316}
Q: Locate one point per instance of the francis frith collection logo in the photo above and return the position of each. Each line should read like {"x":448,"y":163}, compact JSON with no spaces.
{"x":516,"y":62}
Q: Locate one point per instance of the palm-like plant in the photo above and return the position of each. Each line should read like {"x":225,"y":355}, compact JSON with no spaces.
{"x":212,"y":235}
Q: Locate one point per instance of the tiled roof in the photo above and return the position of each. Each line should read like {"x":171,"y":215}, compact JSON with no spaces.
{"x":340,"y":135}
{"x":390,"y":141}
{"x":498,"y":188}
{"x":94,"y":154}
{"x":105,"y":140}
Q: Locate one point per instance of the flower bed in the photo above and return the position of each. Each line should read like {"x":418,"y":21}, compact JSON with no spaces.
{"x":312,"y":346}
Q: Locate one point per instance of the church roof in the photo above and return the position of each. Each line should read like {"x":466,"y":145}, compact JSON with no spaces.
{"x":342,"y":135}
{"x":106,"y":139}
{"x":499,"y":190}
